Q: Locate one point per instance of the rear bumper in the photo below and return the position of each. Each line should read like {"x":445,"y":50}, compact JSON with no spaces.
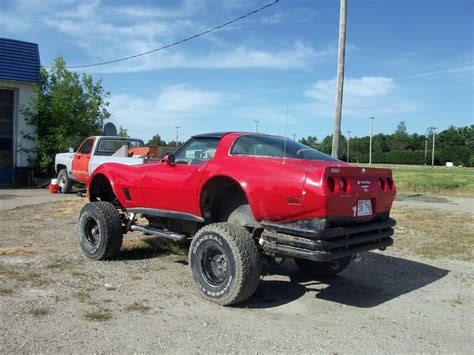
{"x":326,"y":244}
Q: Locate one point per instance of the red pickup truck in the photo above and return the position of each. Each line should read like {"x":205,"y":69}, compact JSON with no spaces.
{"x":239,"y":198}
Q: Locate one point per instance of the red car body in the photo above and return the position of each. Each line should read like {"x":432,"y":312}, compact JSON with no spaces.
{"x":277,"y":189}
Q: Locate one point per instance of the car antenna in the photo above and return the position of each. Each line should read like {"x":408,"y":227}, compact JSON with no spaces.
{"x":286,"y":125}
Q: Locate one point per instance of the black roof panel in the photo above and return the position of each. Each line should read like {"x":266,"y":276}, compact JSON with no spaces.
{"x":211,"y":135}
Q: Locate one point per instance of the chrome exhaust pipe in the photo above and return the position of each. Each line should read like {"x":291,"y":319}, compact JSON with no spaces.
{"x":176,"y":237}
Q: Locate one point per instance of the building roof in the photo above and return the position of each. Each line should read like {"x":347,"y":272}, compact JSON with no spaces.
{"x":19,"y":60}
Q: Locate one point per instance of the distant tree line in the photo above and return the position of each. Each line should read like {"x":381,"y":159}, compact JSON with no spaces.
{"x":455,"y":144}
{"x":156,"y":140}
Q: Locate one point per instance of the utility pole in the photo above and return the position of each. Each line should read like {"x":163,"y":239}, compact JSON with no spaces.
{"x":370,"y":140}
{"x":294,"y":136}
{"x":426,"y":147}
{"x":340,"y":78}
{"x":256,"y":125}
{"x":177,"y":130}
{"x":432,"y":152}
{"x":348,"y":140}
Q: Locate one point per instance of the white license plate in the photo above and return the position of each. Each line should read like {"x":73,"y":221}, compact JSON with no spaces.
{"x":364,"y":208}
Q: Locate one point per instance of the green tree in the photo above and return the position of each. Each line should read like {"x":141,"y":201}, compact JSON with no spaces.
{"x":65,"y":108}
{"x":310,"y":141}
{"x":400,"y":138}
{"x":123,"y":132}
{"x":156,"y":140}
{"x":173,"y":144}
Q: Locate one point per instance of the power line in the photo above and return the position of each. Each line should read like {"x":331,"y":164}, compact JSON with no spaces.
{"x":178,"y":42}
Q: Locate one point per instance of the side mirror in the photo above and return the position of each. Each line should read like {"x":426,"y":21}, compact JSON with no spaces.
{"x":169,"y":159}
{"x":71,"y":150}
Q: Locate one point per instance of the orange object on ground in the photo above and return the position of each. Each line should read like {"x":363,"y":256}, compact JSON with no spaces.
{"x":53,"y":188}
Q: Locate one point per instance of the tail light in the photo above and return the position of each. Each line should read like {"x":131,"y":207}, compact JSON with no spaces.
{"x":390,"y":183}
{"x":332,"y":184}
{"x":338,"y":184}
{"x":382,"y":183}
{"x":344,"y":185}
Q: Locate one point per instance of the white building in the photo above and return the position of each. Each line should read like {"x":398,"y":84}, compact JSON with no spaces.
{"x":19,"y":71}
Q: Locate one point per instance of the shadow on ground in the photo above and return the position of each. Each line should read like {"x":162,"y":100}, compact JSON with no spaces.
{"x":375,"y":280}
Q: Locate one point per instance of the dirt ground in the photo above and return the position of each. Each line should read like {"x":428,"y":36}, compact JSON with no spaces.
{"x":53,"y":299}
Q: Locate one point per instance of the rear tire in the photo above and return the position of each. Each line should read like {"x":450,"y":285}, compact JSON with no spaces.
{"x":64,"y":182}
{"x":225,"y":263}
{"x":323,"y":268}
{"x":100,"y":230}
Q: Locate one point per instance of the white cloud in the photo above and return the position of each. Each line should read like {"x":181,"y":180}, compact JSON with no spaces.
{"x":462,"y":68}
{"x":108,"y":31}
{"x":367,"y":86}
{"x":365,"y":96}
{"x":175,"y":105}
{"x":298,"y":56}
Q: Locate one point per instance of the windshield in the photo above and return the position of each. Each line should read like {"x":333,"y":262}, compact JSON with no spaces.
{"x":196,"y":151}
{"x":271,"y":146}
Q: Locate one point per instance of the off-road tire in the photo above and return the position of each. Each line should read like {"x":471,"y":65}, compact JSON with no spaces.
{"x":323,"y":268}
{"x":100,"y":230}
{"x":242,"y":263}
{"x":64,"y":182}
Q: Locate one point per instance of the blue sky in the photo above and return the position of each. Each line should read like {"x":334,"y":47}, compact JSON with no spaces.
{"x":405,"y":60}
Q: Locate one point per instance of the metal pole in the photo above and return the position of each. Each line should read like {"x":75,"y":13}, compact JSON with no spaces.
{"x":426,"y":147}
{"x":433,"y":151}
{"x":370,"y":140}
{"x":294,"y":136}
{"x":177,"y":130}
{"x":340,"y":78}
{"x":348,"y":141}
{"x":256,"y":125}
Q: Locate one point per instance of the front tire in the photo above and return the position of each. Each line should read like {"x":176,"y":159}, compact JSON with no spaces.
{"x":64,"y":182}
{"x":225,"y":263}
{"x":323,"y":268}
{"x":100,"y":230}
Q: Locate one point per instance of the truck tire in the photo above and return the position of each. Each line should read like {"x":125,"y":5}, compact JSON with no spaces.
{"x":64,"y":182}
{"x":100,"y":230}
{"x":323,"y":268}
{"x":225,"y":263}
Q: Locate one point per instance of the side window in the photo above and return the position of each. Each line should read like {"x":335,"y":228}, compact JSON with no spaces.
{"x":197,"y":151}
{"x":86,"y":147}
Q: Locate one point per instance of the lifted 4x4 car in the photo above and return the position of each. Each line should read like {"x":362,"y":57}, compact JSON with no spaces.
{"x":238,"y":198}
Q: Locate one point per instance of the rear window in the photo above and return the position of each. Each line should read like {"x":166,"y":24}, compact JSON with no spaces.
{"x":108,"y":147}
{"x":275,"y":147}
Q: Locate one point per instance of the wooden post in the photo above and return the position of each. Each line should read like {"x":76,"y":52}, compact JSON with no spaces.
{"x":370,"y":140}
{"x":256,"y":125}
{"x":348,"y":142}
{"x":340,"y":79}
{"x":177,"y":130}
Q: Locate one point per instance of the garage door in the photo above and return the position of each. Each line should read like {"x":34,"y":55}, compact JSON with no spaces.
{"x":6,"y":137}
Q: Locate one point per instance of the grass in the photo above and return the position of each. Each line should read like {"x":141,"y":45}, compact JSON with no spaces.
{"x":434,"y":233}
{"x":38,"y":311}
{"x":137,"y":307}
{"x":19,"y":251}
{"x":82,"y":296}
{"x":437,"y":180}
{"x":5,"y":291}
{"x":100,"y":315}
{"x":150,"y":247}
{"x":59,"y":264}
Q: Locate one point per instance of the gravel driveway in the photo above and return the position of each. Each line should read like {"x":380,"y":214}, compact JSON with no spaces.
{"x":53,"y":299}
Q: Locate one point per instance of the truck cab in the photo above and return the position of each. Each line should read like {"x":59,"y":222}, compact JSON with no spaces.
{"x":76,"y":167}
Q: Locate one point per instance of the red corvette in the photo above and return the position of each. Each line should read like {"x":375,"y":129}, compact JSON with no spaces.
{"x":241,"y":197}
